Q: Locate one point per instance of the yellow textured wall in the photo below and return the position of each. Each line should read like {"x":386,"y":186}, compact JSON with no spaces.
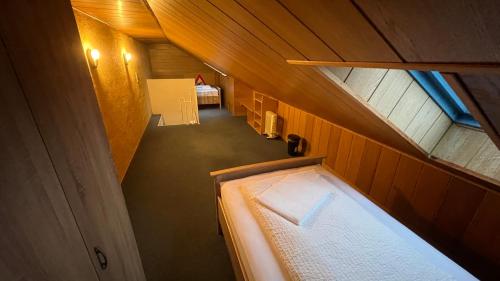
{"x":121,"y":90}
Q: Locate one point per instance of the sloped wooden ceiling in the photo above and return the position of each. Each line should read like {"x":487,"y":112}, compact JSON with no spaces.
{"x":129,"y":16}
{"x":251,"y":40}
{"x":446,"y":31}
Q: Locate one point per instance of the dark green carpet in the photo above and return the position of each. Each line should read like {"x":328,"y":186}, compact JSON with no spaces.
{"x":170,"y":196}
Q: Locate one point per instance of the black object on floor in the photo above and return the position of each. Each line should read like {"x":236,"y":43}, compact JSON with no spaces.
{"x":170,"y":195}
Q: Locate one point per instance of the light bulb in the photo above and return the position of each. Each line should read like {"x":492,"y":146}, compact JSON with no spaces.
{"x":127,"y":57}
{"x":93,"y":55}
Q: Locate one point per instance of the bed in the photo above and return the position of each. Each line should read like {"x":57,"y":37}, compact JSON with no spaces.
{"x":208,"y":95}
{"x":256,"y":256}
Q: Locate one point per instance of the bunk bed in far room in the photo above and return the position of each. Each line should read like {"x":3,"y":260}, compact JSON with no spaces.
{"x":207,"y":94}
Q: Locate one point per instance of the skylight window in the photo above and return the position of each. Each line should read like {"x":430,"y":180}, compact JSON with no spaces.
{"x":438,"y":89}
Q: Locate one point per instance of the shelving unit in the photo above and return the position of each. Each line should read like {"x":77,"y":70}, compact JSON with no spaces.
{"x":256,"y":108}
{"x":262,"y":103}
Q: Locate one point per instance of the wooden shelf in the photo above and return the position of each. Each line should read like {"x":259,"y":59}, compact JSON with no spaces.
{"x":248,"y":104}
{"x":256,"y":107}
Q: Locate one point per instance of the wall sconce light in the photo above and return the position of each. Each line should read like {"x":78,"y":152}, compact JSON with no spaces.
{"x":127,"y":57}
{"x":93,"y":55}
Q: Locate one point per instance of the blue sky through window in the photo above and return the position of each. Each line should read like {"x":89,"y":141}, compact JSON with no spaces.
{"x":438,"y":89}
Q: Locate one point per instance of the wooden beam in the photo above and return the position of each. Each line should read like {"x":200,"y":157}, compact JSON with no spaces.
{"x":442,"y":67}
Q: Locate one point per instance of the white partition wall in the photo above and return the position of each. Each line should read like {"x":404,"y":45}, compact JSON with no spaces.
{"x":175,"y":100}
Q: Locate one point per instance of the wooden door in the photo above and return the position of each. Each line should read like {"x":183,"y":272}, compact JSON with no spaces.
{"x":39,"y":237}
{"x":42,"y":41}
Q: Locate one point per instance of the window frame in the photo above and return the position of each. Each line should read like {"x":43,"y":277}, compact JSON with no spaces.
{"x":443,"y":95}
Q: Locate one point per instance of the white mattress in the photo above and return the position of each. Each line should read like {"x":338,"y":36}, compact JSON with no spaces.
{"x":256,"y":253}
{"x":206,"y":90}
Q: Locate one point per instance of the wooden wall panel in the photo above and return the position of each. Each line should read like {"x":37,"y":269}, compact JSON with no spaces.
{"x":389,"y":91}
{"x":302,"y":123}
{"x":423,"y":121}
{"x":369,"y":165}
{"x":363,"y":81}
{"x":58,"y":88}
{"x":399,"y":200}
{"x":286,"y":111}
{"x":335,"y":133}
{"x":458,"y":208}
{"x":487,"y":160}
{"x":227,"y":85}
{"x":316,"y":136}
{"x":296,"y":119}
{"x":435,"y":133}
{"x":437,"y":205}
{"x":459,"y":145}
{"x":169,"y":61}
{"x":340,"y":72}
{"x":384,"y":175}
{"x":409,"y":105}
{"x":40,"y":237}
{"x":483,"y":234}
{"x":343,"y":152}
{"x":291,"y":120}
{"x":429,"y":195}
{"x":355,"y":157}
{"x":324,"y":138}
{"x":308,"y":133}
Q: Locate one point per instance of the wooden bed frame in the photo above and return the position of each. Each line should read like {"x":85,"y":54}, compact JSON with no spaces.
{"x":211,"y":100}
{"x":220,"y":176}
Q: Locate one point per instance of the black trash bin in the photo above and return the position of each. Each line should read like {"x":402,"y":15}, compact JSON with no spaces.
{"x":293,"y":145}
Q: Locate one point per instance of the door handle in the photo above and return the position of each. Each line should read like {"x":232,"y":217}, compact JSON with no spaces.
{"x":101,"y":258}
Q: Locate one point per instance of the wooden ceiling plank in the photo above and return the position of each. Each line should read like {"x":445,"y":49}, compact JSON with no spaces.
{"x":450,"y":31}
{"x":278,"y":19}
{"x":131,"y":17}
{"x":243,"y":17}
{"x":474,"y":107}
{"x":223,"y":27}
{"x":184,"y":35}
{"x":276,"y":64}
{"x":249,"y":59}
{"x":343,"y":28}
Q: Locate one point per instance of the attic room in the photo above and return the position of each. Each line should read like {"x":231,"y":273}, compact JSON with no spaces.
{"x":250,"y":140}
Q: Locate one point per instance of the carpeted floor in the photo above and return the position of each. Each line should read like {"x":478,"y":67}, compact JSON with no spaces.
{"x":170,"y":196}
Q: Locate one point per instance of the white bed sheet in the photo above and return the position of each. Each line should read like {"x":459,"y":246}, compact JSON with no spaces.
{"x":206,"y":89}
{"x":257,"y":255}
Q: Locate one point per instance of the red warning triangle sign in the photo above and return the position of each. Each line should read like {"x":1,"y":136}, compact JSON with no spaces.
{"x":199,"y":80}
